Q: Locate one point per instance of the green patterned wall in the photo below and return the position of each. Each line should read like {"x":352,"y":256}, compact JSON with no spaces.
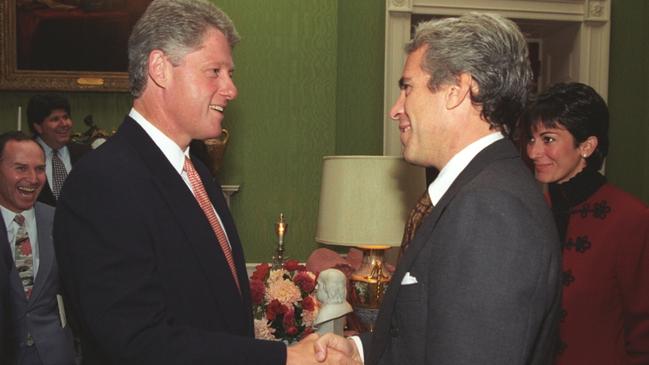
{"x":628,"y":162}
{"x":359,"y":119}
{"x":310,"y":75}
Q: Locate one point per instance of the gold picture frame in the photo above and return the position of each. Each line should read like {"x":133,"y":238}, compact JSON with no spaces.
{"x":19,"y":77}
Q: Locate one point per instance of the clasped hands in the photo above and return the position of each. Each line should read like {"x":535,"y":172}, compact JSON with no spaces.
{"x":326,"y":349}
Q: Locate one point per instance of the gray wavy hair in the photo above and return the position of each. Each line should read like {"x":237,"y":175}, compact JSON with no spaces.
{"x":488,"y":47}
{"x":175,"y":27}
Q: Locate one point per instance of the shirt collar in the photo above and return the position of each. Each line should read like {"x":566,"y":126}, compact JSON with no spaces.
{"x":169,"y":148}
{"x":457,"y":164}
{"x":48,"y":150}
{"x":8,"y":215}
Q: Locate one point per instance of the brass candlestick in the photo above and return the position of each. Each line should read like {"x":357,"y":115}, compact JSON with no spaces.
{"x":280,"y":230}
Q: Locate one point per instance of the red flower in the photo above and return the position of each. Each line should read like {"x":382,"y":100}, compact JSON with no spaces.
{"x":257,"y":291}
{"x":261,"y":271}
{"x":304,"y":281}
{"x":308,"y":304}
{"x":292,"y":265}
{"x":274,"y":309}
{"x":291,"y":331}
{"x":26,"y":248}
{"x":289,"y":319}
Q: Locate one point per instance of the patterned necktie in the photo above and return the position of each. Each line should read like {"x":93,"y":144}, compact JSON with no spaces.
{"x":24,"y":256}
{"x":417,"y":214}
{"x":205,"y":204}
{"x":58,"y":173}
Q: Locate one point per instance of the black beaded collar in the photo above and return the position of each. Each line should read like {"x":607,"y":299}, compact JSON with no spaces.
{"x":571,"y":193}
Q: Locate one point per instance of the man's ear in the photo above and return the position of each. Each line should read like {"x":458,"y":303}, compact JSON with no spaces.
{"x":587,"y":147}
{"x":159,"y":68}
{"x":458,"y":92}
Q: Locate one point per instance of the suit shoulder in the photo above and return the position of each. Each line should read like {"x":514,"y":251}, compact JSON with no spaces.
{"x":44,"y":209}
{"x":622,"y":199}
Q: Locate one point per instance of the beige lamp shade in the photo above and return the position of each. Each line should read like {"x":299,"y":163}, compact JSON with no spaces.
{"x":365,"y":200}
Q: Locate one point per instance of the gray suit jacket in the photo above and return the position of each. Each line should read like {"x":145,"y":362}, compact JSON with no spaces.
{"x":35,"y":322}
{"x":487,"y":265}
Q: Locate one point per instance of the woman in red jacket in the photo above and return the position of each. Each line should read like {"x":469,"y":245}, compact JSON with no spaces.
{"x":605,"y":231}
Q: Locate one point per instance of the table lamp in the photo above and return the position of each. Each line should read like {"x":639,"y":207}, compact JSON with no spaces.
{"x":364,"y":203}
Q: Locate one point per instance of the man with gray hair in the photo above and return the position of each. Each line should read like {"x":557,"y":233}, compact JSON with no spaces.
{"x":479,"y":282}
{"x":150,"y":257}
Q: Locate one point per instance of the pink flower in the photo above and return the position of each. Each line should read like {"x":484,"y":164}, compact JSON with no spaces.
{"x":284,"y":291}
{"x":257,"y":291}
{"x":305,"y":280}
{"x":263,"y":331}
{"x":276,"y":275}
{"x":284,"y":306}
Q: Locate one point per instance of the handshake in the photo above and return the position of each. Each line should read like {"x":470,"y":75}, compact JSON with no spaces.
{"x":325,"y":349}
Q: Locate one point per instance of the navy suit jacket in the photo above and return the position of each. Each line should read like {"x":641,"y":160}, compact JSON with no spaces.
{"x":37,"y":317}
{"x":142,"y":267}
{"x":487,"y":265}
{"x":76,"y":150}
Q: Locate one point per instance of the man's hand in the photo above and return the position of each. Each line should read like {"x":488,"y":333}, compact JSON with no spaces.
{"x":330,"y":345}
{"x":304,"y":353}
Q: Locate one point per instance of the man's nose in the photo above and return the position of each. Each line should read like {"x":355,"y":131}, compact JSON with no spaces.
{"x":32,"y":176}
{"x":67,"y":122}
{"x":229,"y":90}
{"x":397,"y":108}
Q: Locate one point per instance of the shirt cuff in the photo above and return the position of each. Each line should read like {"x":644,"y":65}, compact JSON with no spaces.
{"x":359,"y":346}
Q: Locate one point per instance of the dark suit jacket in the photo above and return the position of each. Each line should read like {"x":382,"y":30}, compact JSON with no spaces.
{"x":38,"y":316}
{"x":76,"y":151}
{"x":6,"y":264}
{"x":142,"y":266}
{"x":487,"y":265}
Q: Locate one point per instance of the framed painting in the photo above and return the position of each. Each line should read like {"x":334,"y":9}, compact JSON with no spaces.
{"x":66,"y":45}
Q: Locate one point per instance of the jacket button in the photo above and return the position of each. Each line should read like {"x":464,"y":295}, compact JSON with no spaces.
{"x":30,"y":340}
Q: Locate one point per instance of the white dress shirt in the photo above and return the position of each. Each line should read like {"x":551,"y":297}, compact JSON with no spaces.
{"x":64,"y":155}
{"x":457,"y":164}
{"x":12,"y":228}
{"x":171,"y":151}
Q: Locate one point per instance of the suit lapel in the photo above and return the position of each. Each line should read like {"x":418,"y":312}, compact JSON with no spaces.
{"x":7,"y":257}
{"x":14,"y":280}
{"x":218,"y":200}
{"x":498,"y":150}
{"x":191,"y":219}
{"x":47,"y":196}
{"x":45,"y":251}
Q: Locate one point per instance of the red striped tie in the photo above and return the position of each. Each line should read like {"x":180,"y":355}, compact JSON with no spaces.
{"x":204,"y":201}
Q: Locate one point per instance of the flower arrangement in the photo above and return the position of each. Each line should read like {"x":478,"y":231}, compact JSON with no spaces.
{"x":283,"y":303}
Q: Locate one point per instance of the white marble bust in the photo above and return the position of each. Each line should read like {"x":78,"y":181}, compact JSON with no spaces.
{"x":332,"y":294}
